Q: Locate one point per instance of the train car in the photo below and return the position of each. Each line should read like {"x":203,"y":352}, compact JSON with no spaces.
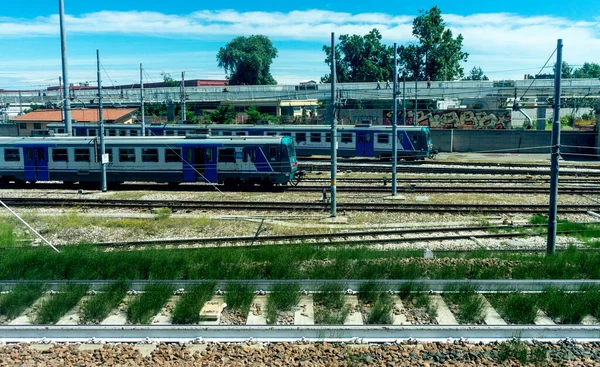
{"x":414,"y":142}
{"x":232,"y":161}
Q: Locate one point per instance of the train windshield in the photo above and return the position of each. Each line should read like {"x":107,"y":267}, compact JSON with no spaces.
{"x":291,"y":151}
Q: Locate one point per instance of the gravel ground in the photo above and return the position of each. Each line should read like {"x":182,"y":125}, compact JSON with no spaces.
{"x":457,"y":353}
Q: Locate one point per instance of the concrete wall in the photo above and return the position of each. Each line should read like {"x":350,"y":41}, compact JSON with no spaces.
{"x":511,"y":141}
{"x":9,"y":130}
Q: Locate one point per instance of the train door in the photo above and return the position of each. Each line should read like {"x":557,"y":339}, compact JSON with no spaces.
{"x":36,"y":164}
{"x":199,"y":164}
{"x":364,"y":144}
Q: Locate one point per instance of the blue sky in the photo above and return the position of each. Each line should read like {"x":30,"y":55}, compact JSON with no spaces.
{"x":506,"y":39}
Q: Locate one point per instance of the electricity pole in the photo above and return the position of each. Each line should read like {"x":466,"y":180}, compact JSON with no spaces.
{"x":142,"y":100}
{"x":333,"y":132}
{"x":395,"y":122}
{"x":551,"y":242}
{"x":63,"y":42}
{"x":415,"y":122}
{"x":183,"y":96}
{"x":101,"y":122}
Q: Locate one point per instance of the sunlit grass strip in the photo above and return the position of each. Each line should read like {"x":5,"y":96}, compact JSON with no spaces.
{"x":564,"y":307}
{"x":417,"y":294}
{"x":187,"y":309}
{"x":515,"y":307}
{"x":332,"y":298}
{"x":470,"y":303}
{"x":20,"y":298}
{"x":7,"y":237}
{"x":143,"y":307}
{"x":100,"y":305}
{"x":282,"y":298}
{"x":239,"y":297}
{"x":380,"y":302}
{"x":55,"y":307}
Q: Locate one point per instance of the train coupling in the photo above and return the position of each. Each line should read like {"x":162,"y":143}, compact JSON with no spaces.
{"x":298,"y":176}
{"x":433,"y":154}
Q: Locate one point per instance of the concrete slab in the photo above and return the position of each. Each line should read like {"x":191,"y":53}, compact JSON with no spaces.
{"x":590,"y":320}
{"x":200,"y":348}
{"x":354,"y":316}
{"x":421,"y":198}
{"x":444,"y":315}
{"x":118,"y":316}
{"x":397,"y":316}
{"x":542,"y":319}
{"x":397,"y":197}
{"x":304,"y":313}
{"x":72,"y":317}
{"x":210,"y":314}
{"x":164,"y":316}
{"x":145,"y":350}
{"x":24,"y":318}
{"x":256,"y":316}
{"x":492,"y":317}
{"x":335,"y":220}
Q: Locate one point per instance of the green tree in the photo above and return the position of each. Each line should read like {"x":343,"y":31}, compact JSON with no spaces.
{"x":247,"y":60}
{"x":588,"y":70}
{"x":566,"y":70}
{"x":437,"y":54}
{"x":254,"y":115}
{"x":361,"y":58}
{"x":169,"y":82}
{"x":224,"y":114}
{"x":476,"y":74}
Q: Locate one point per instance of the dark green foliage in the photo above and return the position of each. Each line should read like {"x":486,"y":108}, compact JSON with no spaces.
{"x":514,"y":348}
{"x":187,"y":309}
{"x":20,"y":297}
{"x":7,"y":237}
{"x":515,"y":307}
{"x":254,"y":115}
{"x":224,"y":114}
{"x":247,"y":60}
{"x":282,"y":298}
{"x":564,"y":307}
{"x":239,"y":297}
{"x":59,"y":304}
{"x":381,"y":310}
{"x":145,"y":306}
{"x":369,"y":292}
{"x":470,"y":303}
{"x":332,"y":297}
{"x":99,"y":306}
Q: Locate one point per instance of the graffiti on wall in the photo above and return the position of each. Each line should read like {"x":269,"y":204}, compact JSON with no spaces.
{"x":359,"y":119}
{"x":454,"y":119}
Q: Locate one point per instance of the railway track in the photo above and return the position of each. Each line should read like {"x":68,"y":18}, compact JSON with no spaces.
{"x":465,"y":188}
{"x":296,"y":206}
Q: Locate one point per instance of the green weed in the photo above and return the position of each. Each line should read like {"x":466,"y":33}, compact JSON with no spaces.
{"x":332,"y":299}
{"x":100,"y":305}
{"x":566,"y":307}
{"x":55,"y":307}
{"x":142,"y":308}
{"x":7,"y":236}
{"x":381,"y":310}
{"x":470,"y":303}
{"x":369,"y":292}
{"x":239,"y":297}
{"x":187,"y":309}
{"x":20,"y":298}
{"x":162,"y":213}
{"x":515,"y":307}
{"x":282,"y":298}
{"x":417,"y":294}
{"x":514,"y":348}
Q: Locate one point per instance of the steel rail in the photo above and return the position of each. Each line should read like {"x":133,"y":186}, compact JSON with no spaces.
{"x":287,"y":333}
{"x":313,"y":285}
{"x":453,"y":189}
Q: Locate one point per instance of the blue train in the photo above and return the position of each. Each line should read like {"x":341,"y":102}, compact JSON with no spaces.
{"x":229,"y":160}
{"x":414,"y":142}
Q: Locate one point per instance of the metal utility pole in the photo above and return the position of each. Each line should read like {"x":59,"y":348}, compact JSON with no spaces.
{"x":415,"y":122}
{"x":142,"y":100}
{"x":395,"y":122}
{"x":551,"y":243}
{"x":333,"y":132}
{"x":101,"y":129}
{"x":404,"y":100}
{"x":183,"y":96}
{"x":63,"y":42}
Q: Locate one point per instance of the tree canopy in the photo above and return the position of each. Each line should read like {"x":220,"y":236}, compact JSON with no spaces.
{"x":247,"y":60}
{"x":361,"y":58}
{"x":224,"y":114}
{"x":168,"y":80}
{"x":587,"y":70}
{"x":476,"y":74}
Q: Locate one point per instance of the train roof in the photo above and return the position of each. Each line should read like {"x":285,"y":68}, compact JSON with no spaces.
{"x":246,"y":126}
{"x":143,"y":140}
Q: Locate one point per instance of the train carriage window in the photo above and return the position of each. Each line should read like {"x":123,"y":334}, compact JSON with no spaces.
{"x":112,"y":132}
{"x":133,"y":133}
{"x":415,"y":138}
{"x":60,"y":155}
{"x":122,"y":133}
{"x":126,"y":155}
{"x":181,"y":133}
{"x":383,"y":139}
{"x":346,"y":137}
{"x":271,"y":133}
{"x":226,"y":155}
{"x":286,"y":134}
{"x":29,"y":155}
{"x":300,"y":137}
{"x":150,"y":155}
{"x":173,"y":155}
{"x":169,"y":132}
{"x":328,"y":137}
{"x":82,"y":155}
{"x":209,"y":155}
{"x":315,"y":137}
{"x":273,"y":153}
{"x":240,"y":133}
{"x":249,"y":154}
{"x":226,"y":133}
{"x":12,"y":155}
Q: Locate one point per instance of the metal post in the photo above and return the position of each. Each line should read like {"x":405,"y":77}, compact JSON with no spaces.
{"x":395,"y":122}
{"x":333,"y":131}
{"x":415,"y":122}
{"x":66,"y":96}
{"x":142,"y":100}
{"x":551,"y":243}
{"x":101,"y":122}
{"x":183,"y":96}
{"x":20,"y":103}
{"x":404,"y":100}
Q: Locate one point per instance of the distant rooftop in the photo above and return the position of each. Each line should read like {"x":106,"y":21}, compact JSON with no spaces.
{"x":80,"y":115}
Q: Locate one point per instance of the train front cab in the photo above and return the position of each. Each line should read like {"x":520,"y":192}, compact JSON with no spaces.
{"x":35,"y":158}
{"x":199,"y":163}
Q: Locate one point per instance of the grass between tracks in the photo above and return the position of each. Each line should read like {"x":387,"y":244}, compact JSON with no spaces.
{"x":187,"y":309}
{"x":143,"y":307}
{"x":57,"y":305}
{"x":282,"y":298}
{"x":289,"y":262}
{"x":239,"y":297}
{"x":330,"y":307}
{"x":22,"y":296}
{"x":469,"y":303}
{"x":100,"y":305}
